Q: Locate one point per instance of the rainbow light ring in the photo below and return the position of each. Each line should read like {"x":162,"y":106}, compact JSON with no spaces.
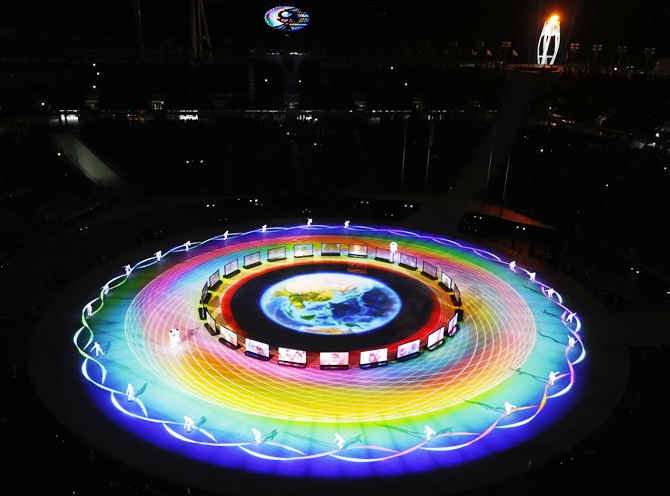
{"x":515,"y":332}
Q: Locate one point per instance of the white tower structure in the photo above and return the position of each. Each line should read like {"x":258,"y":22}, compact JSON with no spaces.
{"x":546,"y":50}
{"x":201,"y":45}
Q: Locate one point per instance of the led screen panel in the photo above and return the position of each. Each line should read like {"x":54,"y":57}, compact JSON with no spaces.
{"x":358,"y":251}
{"x":211,"y":320}
{"x":215,"y":278}
{"x":383,"y":254}
{"x":258,"y":348}
{"x":457,"y":294}
{"x":330,"y":248}
{"x":333,"y":358}
{"x":228,"y":334}
{"x":303,"y":250}
{"x":408,"y":348}
{"x":452,"y":325}
{"x":290,"y":355}
{"x":287,"y":18}
{"x":374,"y":356}
{"x":430,"y":270}
{"x":231,"y":267}
{"x":435,"y":337}
{"x":277,"y":253}
{"x":252,"y":259}
{"x":408,"y":261}
{"x":446,"y":281}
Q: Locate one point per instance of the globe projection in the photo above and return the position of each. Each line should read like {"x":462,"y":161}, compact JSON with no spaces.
{"x":330,"y":303}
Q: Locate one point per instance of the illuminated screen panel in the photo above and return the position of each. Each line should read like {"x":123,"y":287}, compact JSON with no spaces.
{"x":215,"y":278}
{"x":252,"y":260}
{"x":290,"y":355}
{"x":204,"y":293}
{"x":277,"y":253}
{"x":330,"y":248}
{"x":410,"y":348}
{"x":334,"y":358}
{"x":211,"y":320}
{"x":287,"y":18}
{"x":374,"y":356}
{"x":231,"y":268}
{"x":435,"y":337}
{"x":303,"y":250}
{"x":456,"y":297}
{"x":358,"y":251}
{"x":229,"y":335}
{"x":408,"y":261}
{"x":430,"y":270}
{"x":383,"y":254}
{"x":257,"y":348}
{"x":452,"y":326}
{"x":446,"y":281}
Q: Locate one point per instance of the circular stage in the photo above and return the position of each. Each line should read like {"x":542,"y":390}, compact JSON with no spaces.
{"x":449,"y":361}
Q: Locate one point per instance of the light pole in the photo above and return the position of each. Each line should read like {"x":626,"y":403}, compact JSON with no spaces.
{"x":404,"y":148}
{"x":138,"y":28}
{"x":502,"y":203}
{"x":488,"y":173}
{"x":648,"y":52}
{"x":621,"y":51}
{"x":574,"y":50}
{"x":597,"y":48}
{"x":430,"y":144}
{"x":506,"y":45}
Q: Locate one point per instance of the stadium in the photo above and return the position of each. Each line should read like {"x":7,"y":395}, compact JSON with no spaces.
{"x":480,"y":236}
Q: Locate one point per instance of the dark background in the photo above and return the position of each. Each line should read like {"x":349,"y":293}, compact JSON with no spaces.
{"x":240,"y":22}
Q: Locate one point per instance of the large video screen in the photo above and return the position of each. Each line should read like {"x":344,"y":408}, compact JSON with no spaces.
{"x":330,"y":248}
{"x":435,"y":337}
{"x":291,"y":356}
{"x":407,"y":349}
{"x":303,"y":250}
{"x":231,"y":268}
{"x":252,"y":259}
{"x":257,"y":348}
{"x":408,"y":261}
{"x":215,"y":278}
{"x":277,"y":253}
{"x":374,"y":356}
{"x":430,"y":270}
{"x":334,"y":358}
{"x":287,"y":18}
{"x":446,"y":281}
{"x":229,"y":335}
{"x":358,"y":251}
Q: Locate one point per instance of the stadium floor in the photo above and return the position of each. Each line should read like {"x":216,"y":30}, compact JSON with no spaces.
{"x":513,"y":334}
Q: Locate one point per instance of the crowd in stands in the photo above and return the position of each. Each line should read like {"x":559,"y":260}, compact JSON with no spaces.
{"x":601,"y":184}
{"x":282,"y":154}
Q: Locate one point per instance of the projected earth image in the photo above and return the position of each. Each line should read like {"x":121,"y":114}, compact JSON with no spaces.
{"x":330,"y":303}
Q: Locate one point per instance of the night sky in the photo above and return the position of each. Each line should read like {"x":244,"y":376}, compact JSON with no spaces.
{"x":112,"y":22}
